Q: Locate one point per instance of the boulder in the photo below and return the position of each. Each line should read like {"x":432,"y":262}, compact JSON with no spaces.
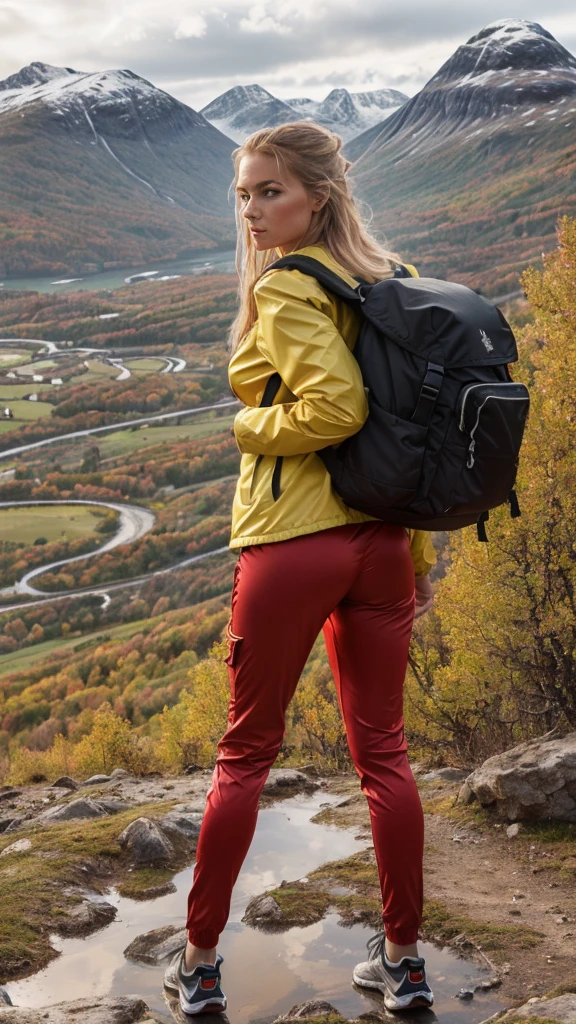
{"x":156,"y":946}
{"x":83,"y":807}
{"x":262,"y":910}
{"x":96,"y":780}
{"x":560,"y":1008}
{"x":145,"y":842}
{"x":4,"y":998}
{"x":65,"y":782}
{"x":535,"y":780}
{"x":187,"y":825}
{"x":119,"y":1010}
{"x":20,"y":846}
{"x":281,"y":780}
{"x":121,"y":773}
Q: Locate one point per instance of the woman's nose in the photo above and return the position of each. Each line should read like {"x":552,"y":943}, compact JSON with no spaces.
{"x":250,"y":210}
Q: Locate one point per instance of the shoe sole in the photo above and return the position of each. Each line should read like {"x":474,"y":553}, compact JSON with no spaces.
{"x":415,"y":998}
{"x":206,"y":1006}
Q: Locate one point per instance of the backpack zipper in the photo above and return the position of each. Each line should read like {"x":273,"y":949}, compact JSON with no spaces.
{"x":497,"y":398}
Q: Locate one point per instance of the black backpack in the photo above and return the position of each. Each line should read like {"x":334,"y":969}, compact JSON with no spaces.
{"x":441,"y":443}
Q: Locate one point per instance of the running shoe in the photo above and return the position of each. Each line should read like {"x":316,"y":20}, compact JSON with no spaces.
{"x":199,"y":990}
{"x":403,"y":985}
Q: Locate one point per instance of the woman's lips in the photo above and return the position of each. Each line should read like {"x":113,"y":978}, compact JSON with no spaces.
{"x":257,"y":231}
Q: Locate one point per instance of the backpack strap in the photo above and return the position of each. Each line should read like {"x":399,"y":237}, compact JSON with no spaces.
{"x":327,"y":278}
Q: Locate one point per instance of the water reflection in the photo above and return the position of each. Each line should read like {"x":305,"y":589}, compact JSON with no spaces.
{"x":263,"y":975}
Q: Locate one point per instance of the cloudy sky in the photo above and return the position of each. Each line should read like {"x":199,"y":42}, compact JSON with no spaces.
{"x":291,"y":47}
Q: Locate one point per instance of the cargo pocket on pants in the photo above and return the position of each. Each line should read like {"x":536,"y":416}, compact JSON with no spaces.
{"x":233,"y":646}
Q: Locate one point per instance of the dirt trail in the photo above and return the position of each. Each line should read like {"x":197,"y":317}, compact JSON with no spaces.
{"x":475,"y":870}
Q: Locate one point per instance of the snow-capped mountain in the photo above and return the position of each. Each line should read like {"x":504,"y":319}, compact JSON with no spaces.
{"x":508,"y":67}
{"x":469,"y":177}
{"x":247,"y":108}
{"x":152,"y":172}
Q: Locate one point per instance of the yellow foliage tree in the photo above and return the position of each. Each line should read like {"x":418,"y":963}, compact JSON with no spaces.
{"x":191,"y":729}
{"x":495,"y":662}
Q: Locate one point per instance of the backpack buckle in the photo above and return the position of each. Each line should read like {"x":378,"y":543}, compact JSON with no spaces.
{"x":428,"y":394}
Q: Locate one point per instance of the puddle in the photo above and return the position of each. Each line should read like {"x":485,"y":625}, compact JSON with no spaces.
{"x":263,"y":975}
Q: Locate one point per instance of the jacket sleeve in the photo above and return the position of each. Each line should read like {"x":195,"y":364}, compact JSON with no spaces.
{"x":422,"y":551}
{"x":299,"y":338}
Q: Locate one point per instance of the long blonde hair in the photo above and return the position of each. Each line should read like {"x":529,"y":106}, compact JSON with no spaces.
{"x":312,"y":154}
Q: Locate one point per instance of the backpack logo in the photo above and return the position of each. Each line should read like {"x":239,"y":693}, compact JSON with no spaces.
{"x":486,"y":341}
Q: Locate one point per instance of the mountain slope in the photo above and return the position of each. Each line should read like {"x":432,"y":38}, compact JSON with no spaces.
{"x":246,"y":108}
{"x":103,"y":169}
{"x":469,"y":177}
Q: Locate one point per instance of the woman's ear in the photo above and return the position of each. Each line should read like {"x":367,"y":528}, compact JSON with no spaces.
{"x":321,"y":196}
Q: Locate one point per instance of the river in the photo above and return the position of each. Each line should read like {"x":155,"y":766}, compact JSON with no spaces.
{"x":111,"y":279}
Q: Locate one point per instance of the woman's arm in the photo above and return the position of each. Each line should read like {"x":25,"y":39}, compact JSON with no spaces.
{"x":303,"y":344}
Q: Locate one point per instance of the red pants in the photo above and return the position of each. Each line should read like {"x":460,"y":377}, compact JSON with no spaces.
{"x":356,"y":581}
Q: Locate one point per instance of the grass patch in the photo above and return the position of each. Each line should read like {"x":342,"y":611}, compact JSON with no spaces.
{"x":445,"y":924}
{"x":10,"y":392}
{"x":145,"y":366}
{"x":32,"y":883}
{"x":24,"y":410}
{"x":125,"y":442}
{"x":54,"y":522}
{"x":23,"y":659}
{"x":300,"y":905}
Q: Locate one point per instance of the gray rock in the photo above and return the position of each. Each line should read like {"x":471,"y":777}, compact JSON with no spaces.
{"x":4,"y":998}
{"x":96,"y":780}
{"x":14,"y":824}
{"x":20,"y":846}
{"x":262,"y":910}
{"x":182,"y":824}
{"x":65,"y":782}
{"x":282,"y":779}
{"x":5,"y":824}
{"x":83,"y":807}
{"x":145,"y":842}
{"x":465,"y":794}
{"x":561,"y":1008}
{"x":312,"y":1008}
{"x":121,"y":773}
{"x":535,"y":780}
{"x":92,"y":913}
{"x":513,"y":830}
{"x":8,"y":793}
{"x":156,"y":946}
{"x":119,"y":1010}
{"x":446,"y":775}
{"x":113,"y":806}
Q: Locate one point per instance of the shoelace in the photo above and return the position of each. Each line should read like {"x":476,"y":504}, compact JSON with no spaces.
{"x":375,"y":945}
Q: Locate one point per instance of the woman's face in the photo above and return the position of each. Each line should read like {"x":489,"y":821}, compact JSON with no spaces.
{"x":276,"y":204}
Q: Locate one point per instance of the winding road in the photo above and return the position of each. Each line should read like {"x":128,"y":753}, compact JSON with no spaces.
{"x":134,"y":523}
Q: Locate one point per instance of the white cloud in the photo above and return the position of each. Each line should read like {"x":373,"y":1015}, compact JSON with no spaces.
{"x":191,"y":26}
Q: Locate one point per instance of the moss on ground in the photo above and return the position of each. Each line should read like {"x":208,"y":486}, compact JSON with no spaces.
{"x":443,"y":923}
{"x":33,"y":882}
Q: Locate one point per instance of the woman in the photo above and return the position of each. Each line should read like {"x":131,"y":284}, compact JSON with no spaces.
{"x":307,"y":561}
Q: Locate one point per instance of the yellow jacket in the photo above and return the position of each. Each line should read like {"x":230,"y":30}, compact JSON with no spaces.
{"x":307,"y":336}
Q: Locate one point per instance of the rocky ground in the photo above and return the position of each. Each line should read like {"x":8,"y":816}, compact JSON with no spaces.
{"x":501,"y":892}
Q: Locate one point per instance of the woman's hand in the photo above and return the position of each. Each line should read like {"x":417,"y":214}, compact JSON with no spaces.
{"x":424,"y":595}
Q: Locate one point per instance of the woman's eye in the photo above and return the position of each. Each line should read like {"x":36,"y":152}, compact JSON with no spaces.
{"x":272,"y":191}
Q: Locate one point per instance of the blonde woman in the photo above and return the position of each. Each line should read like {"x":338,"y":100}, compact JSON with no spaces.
{"x":308,"y":562}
